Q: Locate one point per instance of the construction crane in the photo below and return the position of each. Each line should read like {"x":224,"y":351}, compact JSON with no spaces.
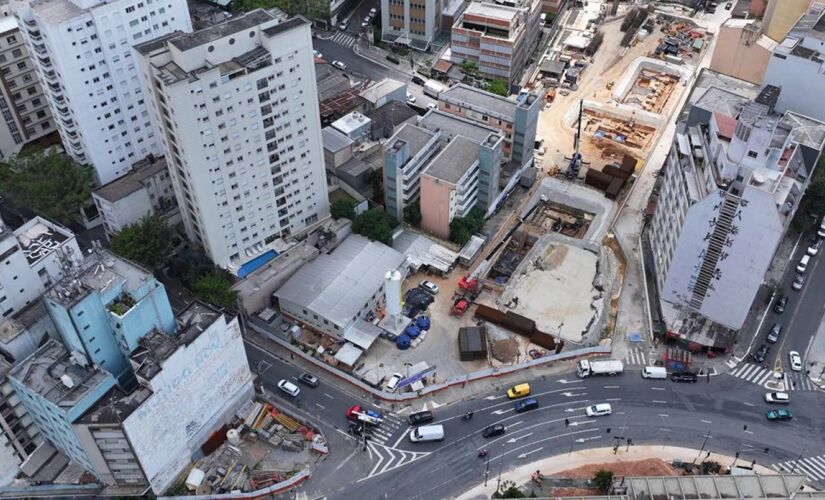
{"x":576,"y":161}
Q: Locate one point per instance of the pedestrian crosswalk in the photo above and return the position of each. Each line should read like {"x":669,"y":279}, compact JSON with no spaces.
{"x":636,"y":355}
{"x":793,"y":381}
{"x":345,"y":39}
{"x":390,"y":426}
{"x":813,"y":467}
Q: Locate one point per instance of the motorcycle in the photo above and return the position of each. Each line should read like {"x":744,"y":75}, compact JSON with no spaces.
{"x":482,"y":453}
{"x":467,"y":416}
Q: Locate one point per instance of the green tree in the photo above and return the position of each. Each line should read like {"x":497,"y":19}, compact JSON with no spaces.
{"x":603,"y":480}
{"x":508,"y":489}
{"x":498,"y":87}
{"x":469,"y":67}
{"x":50,"y":184}
{"x":412,"y":214}
{"x":147,"y":241}
{"x":188,"y":265}
{"x":375,"y":225}
{"x":216,"y":289}
{"x":812,"y":206}
{"x":342,"y":208}
{"x":462,"y":228}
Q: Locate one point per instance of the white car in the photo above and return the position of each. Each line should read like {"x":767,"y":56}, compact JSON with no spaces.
{"x":798,"y":282}
{"x":339,"y":65}
{"x":373,"y":12}
{"x":344,"y":25}
{"x":821,"y":231}
{"x":599,"y":410}
{"x":392,"y":383}
{"x":814,"y":248}
{"x":796,"y":361}
{"x":429,"y":287}
{"x":780,"y":398}
{"x":365,"y":24}
{"x":432,"y":106}
{"x":410,"y":97}
{"x":316,"y":53}
{"x":289,"y":388}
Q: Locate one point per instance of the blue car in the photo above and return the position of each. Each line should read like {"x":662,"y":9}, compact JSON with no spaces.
{"x":526,"y":404}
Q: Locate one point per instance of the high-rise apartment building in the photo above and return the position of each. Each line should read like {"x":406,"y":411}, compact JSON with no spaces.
{"x":23,"y":105}
{"x":732,"y":183}
{"x":83,"y":53}
{"x":780,"y":16}
{"x":237,"y":106}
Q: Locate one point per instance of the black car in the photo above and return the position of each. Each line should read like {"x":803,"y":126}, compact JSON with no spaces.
{"x":494,"y":430}
{"x":776,"y":331}
{"x":781,"y":304}
{"x":421,"y":417}
{"x":684,"y":377}
{"x":309,"y":379}
{"x":359,"y":429}
{"x":760,"y":355}
{"x":418,"y":80}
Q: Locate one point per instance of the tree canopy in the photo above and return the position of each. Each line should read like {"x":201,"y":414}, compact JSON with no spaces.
{"x":508,"y":489}
{"x":342,"y":208}
{"x":375,"y":225}
{"x":412,"y":214}
{"x":603,"y":480}
{"x":147,"y":242}
{"x":812,"y":207}
{"x":462,"y":228}
{"x":50,"y":184}
{"x":216,"y":289}
{"x":498,"y":87}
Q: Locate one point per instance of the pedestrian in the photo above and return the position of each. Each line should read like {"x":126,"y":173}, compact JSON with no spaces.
{"x":291,"y":356}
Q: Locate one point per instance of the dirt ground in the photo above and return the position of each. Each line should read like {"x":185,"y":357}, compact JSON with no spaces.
{"x":635,"y":468}
{"x":608,"y":65}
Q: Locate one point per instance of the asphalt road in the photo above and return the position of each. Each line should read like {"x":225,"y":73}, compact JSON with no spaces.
{"x":804,"y":311}
{"x":646,"y":411}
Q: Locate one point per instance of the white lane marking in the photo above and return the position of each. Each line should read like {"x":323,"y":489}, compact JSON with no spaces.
{"x":524,"y":455}
{"x":664,"y":429}
{"x":659,"y":401}
{"x":403,"y":434}
{"x":613,"y":399}
{"x":327,"y":395}
{"x":706,"y":421}
{"x":516,"y":423}
{"x":321,"y":406}
{"x":657,"y":389}
{"x":749,"y":404}
{"x":663,"y":415}
{"x":611,"y":387}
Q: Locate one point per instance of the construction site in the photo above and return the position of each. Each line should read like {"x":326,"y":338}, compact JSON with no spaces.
{"x":265,"y":451}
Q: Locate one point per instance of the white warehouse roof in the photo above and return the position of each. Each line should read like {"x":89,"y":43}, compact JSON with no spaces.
{"x":337,"y":285}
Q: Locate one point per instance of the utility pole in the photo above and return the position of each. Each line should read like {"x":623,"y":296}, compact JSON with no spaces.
{"x":703,"y":447}
{"x":795,"y":462}
{"x":498,"y":482}
{"x":486,"y":470}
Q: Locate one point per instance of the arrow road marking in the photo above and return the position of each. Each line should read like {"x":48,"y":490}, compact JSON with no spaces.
{"x":515,"y":424}
{"x":513,"y":440}
{"x":565,"y":381}
{"x":574,"y":424}
{"x":571,"y":394}
{"x":524,"y":455}
{"x":582,"y":440}
{"x":493,"y":398}
{"x":501,"y":412}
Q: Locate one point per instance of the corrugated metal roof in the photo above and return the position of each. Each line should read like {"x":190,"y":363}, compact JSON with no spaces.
{"x":337,"y":285}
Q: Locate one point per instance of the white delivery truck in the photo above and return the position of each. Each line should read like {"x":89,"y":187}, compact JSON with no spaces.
{"x":432,"y":88}
{"x":586,"y":368}
{"x":427,"y":433}
{"x":655,"y":372}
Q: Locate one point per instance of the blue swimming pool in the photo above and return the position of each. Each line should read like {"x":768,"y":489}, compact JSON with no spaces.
{"x":258,"y":262}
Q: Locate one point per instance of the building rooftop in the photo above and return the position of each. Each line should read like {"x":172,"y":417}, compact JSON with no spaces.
{"x":451,"y":125}
{"x":334,"y":140}
{"x":719,"y":100}
{"x":416,"y":137}
{"x":132,"y":181}
{"x":454,"y":161}
{"x":8,"y":23}
{"x":56,"y":11}
{"x":338,"y":284}
{"x":156,"y":347}
{"x":479,"y":100}
{"x":115,"y":406}
{"x":492,"y":11}
{"x":390,"y":115}
{"x":350,"y":122}
{"x":39,"y":237}
{"x":805,"y":131}
{"x":100,"y":270}
{"x":378,"y":90}
{"x":57,"y":376}
{"x":812,"y":23}
{"x":233,"y":25}
{"x":23,"y":319}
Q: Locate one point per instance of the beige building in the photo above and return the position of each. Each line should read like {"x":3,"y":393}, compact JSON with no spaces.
{"x":23,"y":106}
{"x":414,"y":23}
{"x":742,"y":51}
{"x":780,"y":15}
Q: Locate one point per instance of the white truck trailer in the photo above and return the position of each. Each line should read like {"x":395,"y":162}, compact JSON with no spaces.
{"x":586,"y":368}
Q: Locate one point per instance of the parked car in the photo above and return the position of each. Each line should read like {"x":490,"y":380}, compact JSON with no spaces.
{"x":429,"y":286}
{"x":289,"y":388}
{"x":421,"y":417}
{"x":373,"y":12}
{"x":798,"y":282}
{"x":599,"y":410}
{"x":410,"y":97}
{"x":684,"y":377}
{"x":777,"y":415}
{"x":391,"y":58}
{"x":776,"y":331}
{"x":343,"y":24}
{"x":418,"y":80}
{"x":815,"y":246}
{"x":493,"y":430}
{"x":317,"y":53}
{"x":779,"y":398}
{"x":392,"y":383}
{"x":821,"y":231}
{"x":780,"y":304}
{"x":803,"y":264}
{"x":729,"y":6}
{"x":796,"y":361}
{"x":365,"y":23}
{"x":339,"y":65}
{"x":760,"y":355}
{"x":309,"y":379}
{"x":432,"y":106}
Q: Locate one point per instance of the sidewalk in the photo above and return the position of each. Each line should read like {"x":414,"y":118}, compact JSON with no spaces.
{"x":553,"y":465}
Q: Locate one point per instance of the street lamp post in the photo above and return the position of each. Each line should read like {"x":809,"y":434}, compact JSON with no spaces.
{"x":703,"y":447}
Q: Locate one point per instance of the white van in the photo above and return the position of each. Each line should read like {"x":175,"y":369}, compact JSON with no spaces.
{"x":427,"y":433}
{"x":655,"y":372}
{"x":803,"y":264}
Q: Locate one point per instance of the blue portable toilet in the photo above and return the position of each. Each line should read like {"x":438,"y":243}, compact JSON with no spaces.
{"x":402,"y":342}
{"x":412,"y":331}
{"x":423,"y":322}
